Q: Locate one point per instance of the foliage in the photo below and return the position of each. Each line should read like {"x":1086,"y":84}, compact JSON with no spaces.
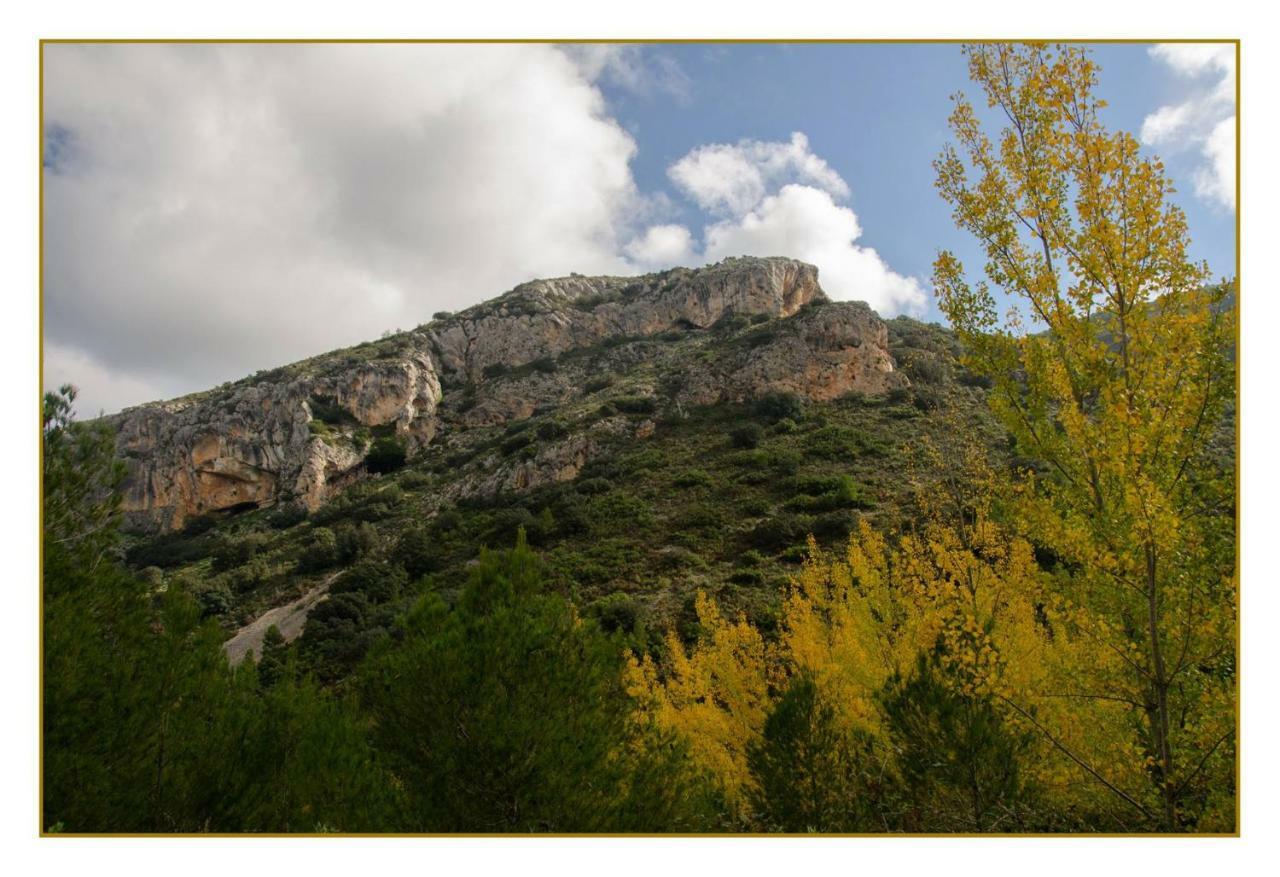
{"x":387,"y":454}
{"x":507,"y":713}
{"x":1118,"y":398}
{"x":81,"y":480}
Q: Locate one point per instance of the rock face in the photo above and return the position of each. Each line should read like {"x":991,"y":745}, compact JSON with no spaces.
{"x":300,"y":432}
{"x":821,"y":354}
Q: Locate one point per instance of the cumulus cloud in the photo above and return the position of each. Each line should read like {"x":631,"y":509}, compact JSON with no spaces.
{"x":215,"y":209}
{"x":779,"y":199}
{"x":662,"y":246}
{"x":733,"y":178}
{"x":805,"y":223}
{"x":626,"y":66}
{"x":1205,"y":122}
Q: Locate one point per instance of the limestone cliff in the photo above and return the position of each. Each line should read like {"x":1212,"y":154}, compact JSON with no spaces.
{"x":300,"y":432}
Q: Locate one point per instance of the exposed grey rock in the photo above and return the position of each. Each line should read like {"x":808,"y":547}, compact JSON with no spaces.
{"x":302,"y":431}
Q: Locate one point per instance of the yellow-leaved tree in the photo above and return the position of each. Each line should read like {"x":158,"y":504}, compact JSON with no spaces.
{"x":1114,"y":399}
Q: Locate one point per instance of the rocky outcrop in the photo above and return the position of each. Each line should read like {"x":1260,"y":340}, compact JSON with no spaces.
{"x":254,"y":443}
{"x":546,"y":318}
{"x":302,"y":431}
{"x":822,"y":353}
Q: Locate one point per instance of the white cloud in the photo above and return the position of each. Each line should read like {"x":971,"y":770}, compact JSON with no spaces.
{"x":99,"y":390}
{"x":662,"y":246}
{"x":637,"y":70}
{"x":732,"y":179}
{"x":1205,"y":121}
{"x":215,"y":209}
{"x":779,"y":199}
{"x":805,"y":223}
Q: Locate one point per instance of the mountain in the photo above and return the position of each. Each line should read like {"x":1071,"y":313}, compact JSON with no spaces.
{"x":298,"y":433}
{"x":654,"y":436}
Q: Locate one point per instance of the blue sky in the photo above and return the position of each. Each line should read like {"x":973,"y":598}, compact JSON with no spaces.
{"x":877,"y":114}
{"x":216,"y":209}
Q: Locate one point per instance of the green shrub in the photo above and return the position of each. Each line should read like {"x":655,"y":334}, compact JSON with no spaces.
{"x":616,"y":613}
{"x":692,"y":478}
{"x":746,"y":435}
{"x":386,"y":455}
{"x":416,"y":551}
{"x":320,"y":551}
{"x":779,"y":532}
{"x":287,"y":515}
{"x":635,"y":404}
{"x":596,"y":384}
{"x":778,"y":406}
{"x":377,"y":581}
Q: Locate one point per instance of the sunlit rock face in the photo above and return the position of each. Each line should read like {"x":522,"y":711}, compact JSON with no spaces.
{"x":301,"y":432}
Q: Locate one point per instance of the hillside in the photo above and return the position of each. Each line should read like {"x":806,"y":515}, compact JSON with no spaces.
{"x":654,"y":436}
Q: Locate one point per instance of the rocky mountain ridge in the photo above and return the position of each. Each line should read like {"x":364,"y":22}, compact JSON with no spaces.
{"x":729,"y":332}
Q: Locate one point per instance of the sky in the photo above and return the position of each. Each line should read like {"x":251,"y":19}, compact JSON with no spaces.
{"x":213,"y":210}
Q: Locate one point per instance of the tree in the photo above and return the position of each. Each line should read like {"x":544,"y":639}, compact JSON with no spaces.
{"x":81,"y":479}
{"x":145,"y":727}
{"x":807,"y":767}
{"x":714,"y":696}
{"x":507,"y":713}
{"x":1117,"y":398}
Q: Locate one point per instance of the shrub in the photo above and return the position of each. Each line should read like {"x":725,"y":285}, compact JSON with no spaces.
{"x":287,"y":515}
{"x":213,"y":601}
{"x":516,"y":442}
{"x":229,"y":552}
{"x":596,"y":384}
{"x":636,"y":404}
{"x":593,"y":486}
{"x":747,"y":435}
{"x":779,"y":532}
{"x":777,"y":406}
{"x":378,"y":581}
{"x":387,"y":455}
{"x":416,"y":552}
{"x":320,"y":551}
{"x":616,"y":613}
{"x":353,"y":542}
{"x":442,"y":315}
{"x":692,"y":478}
{"x":549,"y":430}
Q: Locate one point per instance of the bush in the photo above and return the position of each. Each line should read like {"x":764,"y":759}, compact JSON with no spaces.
{"x":416,"y":552}
{"x":616,"y":613}
{"x":779,"y":532}
{"x":442,"y":315}
{"x":213,"y":601}
{"x":353,"y":542}
{"x":777,"y":406}
{"x":386,"y":455}
{"x":550,"y":430}
{"x":516,"y":442}
{"x":692,"y":478}
{"x":378,"y":581}
{"x":596,"y":384}
{"x":229,"y":552}
{"x":594,"y":486}
{"x":287,"y":515}
{"x":636,"y":404}
{"x":320,"y":551}
{"x":748,"y":435}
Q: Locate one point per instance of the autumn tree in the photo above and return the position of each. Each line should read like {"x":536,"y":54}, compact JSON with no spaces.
{"x":1111,"y":371}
